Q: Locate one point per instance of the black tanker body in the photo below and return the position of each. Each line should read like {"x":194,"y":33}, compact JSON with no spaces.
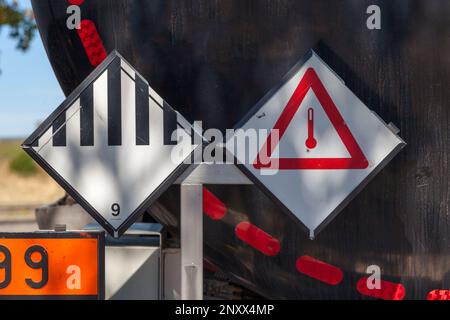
{"x":213,"y":60}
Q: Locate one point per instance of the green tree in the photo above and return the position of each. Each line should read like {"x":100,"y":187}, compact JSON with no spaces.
{"x":21,"y":23}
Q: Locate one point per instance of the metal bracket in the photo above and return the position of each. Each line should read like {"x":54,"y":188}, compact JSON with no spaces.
{"x":191,"y":217}
{"x":213,"y":173}
{"x":60,"y":228}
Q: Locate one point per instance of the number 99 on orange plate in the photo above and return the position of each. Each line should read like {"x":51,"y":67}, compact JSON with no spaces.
{"x":52,"y":265}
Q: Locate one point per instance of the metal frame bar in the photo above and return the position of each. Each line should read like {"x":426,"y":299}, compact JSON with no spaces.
{"x":191,"y":242}
{"x":191,"y":216}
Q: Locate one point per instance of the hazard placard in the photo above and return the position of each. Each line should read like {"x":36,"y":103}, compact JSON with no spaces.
{"x":323,"y":144}
{"x":52,"y":265}
{"x":114,"y":144}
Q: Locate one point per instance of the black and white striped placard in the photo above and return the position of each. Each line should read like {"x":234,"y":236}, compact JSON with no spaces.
{"x":110,"y":144}
{"x":128,"y":98}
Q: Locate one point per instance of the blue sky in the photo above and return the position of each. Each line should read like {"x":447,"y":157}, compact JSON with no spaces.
{"x":29,"y":91}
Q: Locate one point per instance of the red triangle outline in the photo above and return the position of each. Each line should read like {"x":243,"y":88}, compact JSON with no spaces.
{"x":357,"y":158}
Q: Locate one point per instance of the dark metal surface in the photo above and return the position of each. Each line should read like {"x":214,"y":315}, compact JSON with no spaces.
{"x":213,"y":60}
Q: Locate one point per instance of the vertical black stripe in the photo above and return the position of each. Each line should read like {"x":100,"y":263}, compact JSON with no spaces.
{"x":142,"y":113}
{"x":59,"y":131}
{"x":170,"y":125}
{"x":114,"y":104}
{"x":87,"y":117}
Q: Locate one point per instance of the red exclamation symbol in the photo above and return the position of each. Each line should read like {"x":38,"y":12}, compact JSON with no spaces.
{"x":311,"y":142}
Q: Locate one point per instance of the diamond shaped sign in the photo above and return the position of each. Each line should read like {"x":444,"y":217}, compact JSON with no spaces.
{"x":323,"y":144}
{"x":110,"y":144}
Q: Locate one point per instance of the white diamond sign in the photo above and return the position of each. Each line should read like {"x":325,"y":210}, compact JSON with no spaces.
{"x":109,"y":145}
{"x":328,"y":143}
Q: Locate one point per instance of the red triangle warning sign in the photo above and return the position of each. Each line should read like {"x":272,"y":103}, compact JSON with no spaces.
{"x":310,"y":80}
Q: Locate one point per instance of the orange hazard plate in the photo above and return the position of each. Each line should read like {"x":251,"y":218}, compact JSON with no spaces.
{"x":52,"y":265}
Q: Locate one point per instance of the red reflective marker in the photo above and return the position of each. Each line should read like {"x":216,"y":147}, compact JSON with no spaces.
{"x":439,"y":295}
{"x":92,"y":42}
{"x":76,"y":2}
{"x":388,"y":290}
{"x":319,"y":270}
{"x":212,"y":206}
{"x":257,"y":238}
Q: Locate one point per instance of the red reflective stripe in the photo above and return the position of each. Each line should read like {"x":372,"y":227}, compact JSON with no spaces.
{"x":439,"y":295}
{"x":76,"y":2}
{"x":257,"y":238}
{"x":388,"y":291}
{"x":319,"y":270}
{"x":92,"y":42}
{"x":212,"y":206}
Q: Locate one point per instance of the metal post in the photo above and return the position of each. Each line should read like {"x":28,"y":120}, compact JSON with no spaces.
{"x":191,"y":188}
{"x":191,"y":241}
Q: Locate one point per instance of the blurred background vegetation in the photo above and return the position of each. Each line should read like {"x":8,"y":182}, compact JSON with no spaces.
{"x":18,"y":161}
{"x":23,"y":184}
{"x":22,"y":26}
